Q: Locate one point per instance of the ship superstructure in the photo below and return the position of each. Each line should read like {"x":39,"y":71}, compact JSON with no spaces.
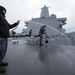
{"x":54,"y":27}
{"x":51,"y":20}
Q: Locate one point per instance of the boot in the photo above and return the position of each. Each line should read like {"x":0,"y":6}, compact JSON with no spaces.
{"x":2,"y":70}
{"x":4,"y":64}
{"x":41,"y":44}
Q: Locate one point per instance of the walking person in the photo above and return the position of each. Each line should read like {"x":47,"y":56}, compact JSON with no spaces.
{"x":30,"y":33}
{"x":41,"y":32}
{"x":13,"y":34}
{"x":4,"y":34}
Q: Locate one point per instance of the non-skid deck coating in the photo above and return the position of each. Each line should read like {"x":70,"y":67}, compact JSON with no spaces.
{"x":27,"y":59}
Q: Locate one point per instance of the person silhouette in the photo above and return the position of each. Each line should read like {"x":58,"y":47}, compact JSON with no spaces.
{"x":41,"y":32}
{"x":4,"y":34}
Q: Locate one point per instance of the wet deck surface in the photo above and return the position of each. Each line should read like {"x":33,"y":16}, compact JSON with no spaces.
{"x":27,"y":59}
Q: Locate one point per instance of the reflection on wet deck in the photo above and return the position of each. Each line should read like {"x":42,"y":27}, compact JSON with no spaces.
{"x":27,"y":59}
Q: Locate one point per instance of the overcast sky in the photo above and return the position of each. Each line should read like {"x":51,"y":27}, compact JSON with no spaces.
{"x":26,"y":9}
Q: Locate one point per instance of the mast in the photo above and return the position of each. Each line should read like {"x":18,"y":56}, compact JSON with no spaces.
{"x":44,"y":12}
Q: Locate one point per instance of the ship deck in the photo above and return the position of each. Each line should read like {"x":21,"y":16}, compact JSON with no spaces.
{"x":26,"y":59}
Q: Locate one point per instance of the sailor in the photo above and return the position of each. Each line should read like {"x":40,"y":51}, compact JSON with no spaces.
{"x":30,"y":33}
{"x":41,"y":32}
{"x":13,"y":34}
{"x":4,"y":34}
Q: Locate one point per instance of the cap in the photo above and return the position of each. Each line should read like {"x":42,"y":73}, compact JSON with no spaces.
{"x":2,"y":8}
